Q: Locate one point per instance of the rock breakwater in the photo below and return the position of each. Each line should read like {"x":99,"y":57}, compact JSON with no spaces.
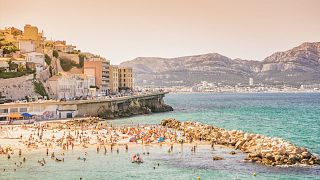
{"x":260,"y":149}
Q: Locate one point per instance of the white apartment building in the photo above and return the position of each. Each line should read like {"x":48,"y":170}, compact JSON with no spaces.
{"x":35,"y":61}
{"x":71,"y":86}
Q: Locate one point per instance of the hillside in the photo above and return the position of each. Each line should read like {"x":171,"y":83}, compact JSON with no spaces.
{"x":300,"y":65}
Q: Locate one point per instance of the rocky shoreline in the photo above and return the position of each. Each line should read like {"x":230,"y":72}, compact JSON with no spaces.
{"x":260,"y":149}
{"x":135,"y":108}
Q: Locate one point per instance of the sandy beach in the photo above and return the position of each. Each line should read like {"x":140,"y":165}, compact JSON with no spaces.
{"x":84,"y":133}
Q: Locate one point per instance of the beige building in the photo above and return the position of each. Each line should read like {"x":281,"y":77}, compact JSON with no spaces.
{"x":114,"y":79}
{"x":28,"y":40}
{"x":26,"y":45}
{"x":63,"y":47}
{"x":99,"y":68}
{"x":125,"y":78}
{"x":31,"y":33}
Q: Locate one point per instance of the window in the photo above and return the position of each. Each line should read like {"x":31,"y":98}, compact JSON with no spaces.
{"x":13,"y":110}
{"x":23,"y":109}
{"x":4,"y":111}
{"x":3,"y":118}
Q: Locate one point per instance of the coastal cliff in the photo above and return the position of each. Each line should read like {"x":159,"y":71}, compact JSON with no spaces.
{"x":125,"y":107}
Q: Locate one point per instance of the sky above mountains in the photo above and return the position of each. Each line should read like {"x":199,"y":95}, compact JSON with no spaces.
{"x":124,"y":29}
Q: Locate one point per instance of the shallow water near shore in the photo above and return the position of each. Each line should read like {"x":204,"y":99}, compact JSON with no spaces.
{"x":293,"y":117}
{"x":180,"y":164}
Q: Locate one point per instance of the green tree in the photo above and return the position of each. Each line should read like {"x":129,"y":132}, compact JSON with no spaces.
{"x":66,"y":64}
{"x":39,"y":88}
{"x":50,"y":70}
{"x":21,"y":68}
{"x":7,"y":49}
{"x":49,"y":44}
{"x":2,"y":69}
{"x":81,"y":60}
{"x":47,"y":59}
{"x":55,"y":54}
{"x":12,"y":65}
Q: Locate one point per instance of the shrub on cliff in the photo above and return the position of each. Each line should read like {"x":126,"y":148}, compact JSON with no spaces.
{"x":39,"y":88}
{"x":55,"y":54}
{"x":7,"y":75}
{"x":7,"y":47}
{"x":81,"y":60}
{"x":47,"y":59}
{"x":66,"y":64}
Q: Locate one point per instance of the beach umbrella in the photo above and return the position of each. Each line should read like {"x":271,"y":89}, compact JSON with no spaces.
{"x":26,"y":114}
{"x":133,"y":139}
{"x":160,"y":139}
{"x":15,"y":116}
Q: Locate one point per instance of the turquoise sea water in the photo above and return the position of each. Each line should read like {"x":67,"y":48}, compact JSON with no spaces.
{"x":294,"y":117}
{"x":291,"y":116}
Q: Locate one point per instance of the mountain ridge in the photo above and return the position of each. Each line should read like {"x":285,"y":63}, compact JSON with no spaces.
{"x":296,"y":66}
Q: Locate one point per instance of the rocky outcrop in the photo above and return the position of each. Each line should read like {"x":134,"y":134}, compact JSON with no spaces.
{"x":261,"y":149}
{"x":134,"y":107}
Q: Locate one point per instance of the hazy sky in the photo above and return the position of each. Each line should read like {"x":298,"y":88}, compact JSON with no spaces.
{"x":124,"y":29}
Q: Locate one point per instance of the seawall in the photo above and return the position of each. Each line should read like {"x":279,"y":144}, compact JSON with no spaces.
{"x":105,"y":108}
{"x":124,"y":107}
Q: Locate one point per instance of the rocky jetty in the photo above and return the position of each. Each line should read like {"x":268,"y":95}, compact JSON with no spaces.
{"x":261,"y":149}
